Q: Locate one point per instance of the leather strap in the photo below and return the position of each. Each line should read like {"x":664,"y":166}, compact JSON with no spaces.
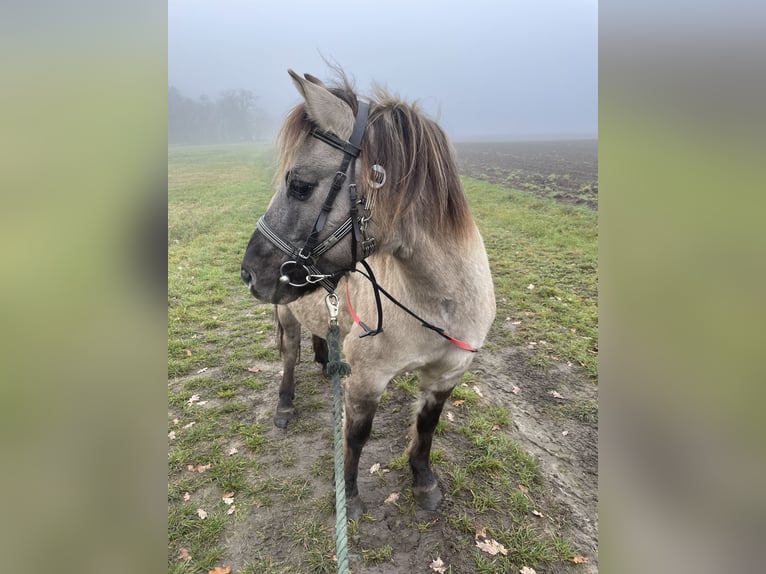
{"x":351,"y":150}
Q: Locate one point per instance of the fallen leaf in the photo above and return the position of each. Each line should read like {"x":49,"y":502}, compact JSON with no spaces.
{"x":228,"y":500}
{"x":232,"y":508}
{"x":515,"y":390}
{"x":523,"y":488}
{"x":183,"y":554}
{"x":537,"y":513}
{"x":375,"y":468}
{"x":193,"y":399}
{"x":253,"y":370}
{"x":172,"y":435}
{"x":202,"y":370}
{"x":495,"y":427}
{"x":555,"y":394}
{"x":564,"y":433}
{"x":491,"y":546}
{"x":438,"y":566}
{"x":232,"y":450}
{"x":188,"y":353}
{"x":219,"y":570}
{"x":175,"y":421}
{"x":477,"y":391}
{"x":201,"y":513}
{"x":579,"y":559}
{"x":187,"y":497}
{"x":199,"y":468}
{"x":481,"y":533}
{"x":450,"y":417}
{"x":228,"y":495}
{"x":527,"y":570}
{"x":458,"y":402}
{"x":190,"y":425}
{"x":393,"y":497}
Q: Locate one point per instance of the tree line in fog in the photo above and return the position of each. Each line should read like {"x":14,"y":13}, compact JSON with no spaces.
{"x":232,"y":117}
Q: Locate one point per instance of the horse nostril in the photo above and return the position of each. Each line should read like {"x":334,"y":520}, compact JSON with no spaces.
{"x":246,"y":277}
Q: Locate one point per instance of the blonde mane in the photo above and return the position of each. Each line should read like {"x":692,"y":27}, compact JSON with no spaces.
{"x":416,"y":154}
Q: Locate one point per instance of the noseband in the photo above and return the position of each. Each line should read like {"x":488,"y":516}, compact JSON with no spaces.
{"x":307,"y":255}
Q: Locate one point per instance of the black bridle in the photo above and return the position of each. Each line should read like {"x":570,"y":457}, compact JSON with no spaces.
{"x":306,"y":256}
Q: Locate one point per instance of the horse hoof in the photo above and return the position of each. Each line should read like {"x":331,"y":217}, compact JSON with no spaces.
{"x":282,"y":418}
{"x":427,"y":497}
{"x":354,"y":508}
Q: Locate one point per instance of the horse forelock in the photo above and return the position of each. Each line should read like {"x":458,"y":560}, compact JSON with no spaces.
{"x":422,"y":174}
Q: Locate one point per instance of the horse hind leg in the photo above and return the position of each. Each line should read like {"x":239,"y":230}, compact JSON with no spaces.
{"x":289,"y":342}
{"x":320,"y":352}
{"x":425,"y":486}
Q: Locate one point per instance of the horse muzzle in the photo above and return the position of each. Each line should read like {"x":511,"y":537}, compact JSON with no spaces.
{"x":278,"y":291}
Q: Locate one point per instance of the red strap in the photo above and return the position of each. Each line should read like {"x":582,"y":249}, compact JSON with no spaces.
{"x":458,"y":343}
{"x":356,"y":318}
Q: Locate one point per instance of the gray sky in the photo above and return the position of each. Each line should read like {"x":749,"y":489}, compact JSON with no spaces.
{"x":487,"y":69}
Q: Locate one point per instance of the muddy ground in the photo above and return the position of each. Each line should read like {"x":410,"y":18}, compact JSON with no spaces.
{"x":566,"y":170}
{"x":568,"y":462}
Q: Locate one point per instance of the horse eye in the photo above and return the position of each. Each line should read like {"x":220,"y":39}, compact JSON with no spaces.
{"x":299,"y":189}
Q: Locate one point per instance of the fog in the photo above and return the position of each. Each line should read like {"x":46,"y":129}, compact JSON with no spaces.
{"x":488,"y":70}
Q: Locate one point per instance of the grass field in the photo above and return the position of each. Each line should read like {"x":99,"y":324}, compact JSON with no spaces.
{"x":221,"y":441}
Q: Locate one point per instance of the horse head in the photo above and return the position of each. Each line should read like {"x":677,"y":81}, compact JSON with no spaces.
{"x":304,"y":238}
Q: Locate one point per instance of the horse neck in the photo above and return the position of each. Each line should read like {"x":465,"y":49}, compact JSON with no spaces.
{"x":431,"y":269}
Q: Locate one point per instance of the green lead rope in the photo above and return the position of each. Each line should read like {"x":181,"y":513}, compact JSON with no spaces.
{"x":337,"y":369}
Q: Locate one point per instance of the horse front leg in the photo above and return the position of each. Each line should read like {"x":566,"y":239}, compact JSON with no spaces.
{"x":360,"y":406}
{"x":425,"y":487}
{"x":289,"y":341}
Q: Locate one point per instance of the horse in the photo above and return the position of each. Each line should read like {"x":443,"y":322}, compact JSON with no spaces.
{"x":407,"y":221}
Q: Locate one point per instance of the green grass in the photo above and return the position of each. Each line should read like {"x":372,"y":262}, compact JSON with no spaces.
{"x":216,"y":331}
{"x":544,"y":258}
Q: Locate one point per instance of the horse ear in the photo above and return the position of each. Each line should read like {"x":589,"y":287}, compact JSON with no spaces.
{"x":328,"y":111}
{"x":314,"y":80}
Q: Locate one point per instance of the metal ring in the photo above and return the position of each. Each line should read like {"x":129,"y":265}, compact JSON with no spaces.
{"x":284,"y":277}
{"x":378,"y":177}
